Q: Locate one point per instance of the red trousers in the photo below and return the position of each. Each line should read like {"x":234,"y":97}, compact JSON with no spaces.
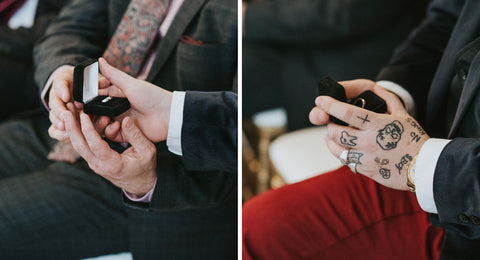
{"x":338,"y":215}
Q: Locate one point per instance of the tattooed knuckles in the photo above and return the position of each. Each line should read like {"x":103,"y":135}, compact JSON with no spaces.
{"x":348,"y":140}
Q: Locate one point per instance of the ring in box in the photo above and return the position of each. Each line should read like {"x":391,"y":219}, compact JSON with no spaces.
{"x":85,"y":90}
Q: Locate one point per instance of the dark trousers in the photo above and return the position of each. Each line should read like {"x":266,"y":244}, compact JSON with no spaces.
{"x":53,"y":210}
{"x":56,"y":210}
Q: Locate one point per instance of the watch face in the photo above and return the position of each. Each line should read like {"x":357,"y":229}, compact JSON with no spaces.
{"x":411,"y":177}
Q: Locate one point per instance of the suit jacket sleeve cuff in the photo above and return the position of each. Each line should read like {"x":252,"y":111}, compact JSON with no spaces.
{"x":174,"y":137}
{"x":400,"y":92}
{"x":425,"y":170}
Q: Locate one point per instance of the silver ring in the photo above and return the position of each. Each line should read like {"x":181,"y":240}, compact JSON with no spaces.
{"x":353,"y":167}
{"x":344,"y":156}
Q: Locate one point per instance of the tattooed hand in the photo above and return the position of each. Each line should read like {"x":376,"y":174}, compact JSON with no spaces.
{"x":382,"y":145}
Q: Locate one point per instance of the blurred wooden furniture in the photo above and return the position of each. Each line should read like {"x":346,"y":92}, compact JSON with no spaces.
{"x":258,"y":134}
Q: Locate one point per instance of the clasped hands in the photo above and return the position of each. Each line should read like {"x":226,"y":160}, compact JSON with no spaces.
{"x":145,"y":123}
{"x":381,"y":145}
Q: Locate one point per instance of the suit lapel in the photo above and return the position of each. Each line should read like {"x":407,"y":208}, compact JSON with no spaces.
{"x":445,"y":72}
{"x":184,"y":16}
{"x":471,"y":86}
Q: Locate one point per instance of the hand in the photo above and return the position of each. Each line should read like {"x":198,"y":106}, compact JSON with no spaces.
{"x":353,"y":88}
{"x":150,"y":105}
{"x":60,"y":95}
{"x":134,"y":170}
{"x":382,"y":145}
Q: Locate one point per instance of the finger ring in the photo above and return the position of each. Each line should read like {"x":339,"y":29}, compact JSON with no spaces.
{"x":344,"y":157}
{"x":353,"y":167}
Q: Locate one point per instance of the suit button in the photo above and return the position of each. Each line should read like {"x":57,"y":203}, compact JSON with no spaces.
{"x":475,"y":220}
{"x":463,"y":218}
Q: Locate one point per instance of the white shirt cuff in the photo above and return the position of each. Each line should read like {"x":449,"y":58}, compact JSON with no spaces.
{"x":401,"y":92}
{"x":174,"y":137}
{"x":425,"y":170}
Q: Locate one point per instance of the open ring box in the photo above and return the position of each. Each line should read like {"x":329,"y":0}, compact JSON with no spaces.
{"x":85,"y":90}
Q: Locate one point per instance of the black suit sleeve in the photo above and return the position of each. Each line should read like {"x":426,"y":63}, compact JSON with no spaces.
{"x":179,"y":189}
{"x":415,"y":61}
{"x":456,"y":188}
{"x":321,"y":22}
{"x":205,"y":176}
{"x":209,"y":131}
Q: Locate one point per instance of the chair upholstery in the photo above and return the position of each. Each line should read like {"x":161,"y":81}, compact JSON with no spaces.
{"x":302,"y":154}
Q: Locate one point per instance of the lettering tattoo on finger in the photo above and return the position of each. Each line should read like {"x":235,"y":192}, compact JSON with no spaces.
{"x":347,"y":140}
{"x":354,"y":157}
{"x":385,"y":173}
{"x":390,"y":135}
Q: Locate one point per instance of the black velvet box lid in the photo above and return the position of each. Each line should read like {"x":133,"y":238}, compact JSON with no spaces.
{"x":85,"y":90}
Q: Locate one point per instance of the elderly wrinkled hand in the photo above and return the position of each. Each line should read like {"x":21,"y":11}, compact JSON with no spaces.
{"x":134,"y":170}
{"x":380,"y":146}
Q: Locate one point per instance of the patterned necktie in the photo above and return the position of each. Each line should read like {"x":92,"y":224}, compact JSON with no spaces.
{"x":135,"y":34}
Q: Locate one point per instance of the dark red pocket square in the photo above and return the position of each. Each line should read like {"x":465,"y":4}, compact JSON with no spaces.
{"x":189,"y":40}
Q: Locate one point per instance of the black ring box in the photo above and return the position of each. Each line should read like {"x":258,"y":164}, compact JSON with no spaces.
{"x":85,"y":90}
{"x":370,"y":101}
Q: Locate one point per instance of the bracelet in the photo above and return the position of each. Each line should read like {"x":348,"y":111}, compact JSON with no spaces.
{"x":411,"y":174}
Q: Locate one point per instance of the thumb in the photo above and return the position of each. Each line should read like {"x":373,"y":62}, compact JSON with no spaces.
{"x":135,"y":137}
{"x":393,"y":101}
{"x":356,"y":87}
{"x":60,"y":87}
{"x":118,"y":78}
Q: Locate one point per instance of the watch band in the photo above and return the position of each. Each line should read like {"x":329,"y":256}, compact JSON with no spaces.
{"x":411,"y":174}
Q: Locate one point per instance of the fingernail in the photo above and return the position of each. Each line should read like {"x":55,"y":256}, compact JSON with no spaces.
{"x":128,"y":123}
{"x":319,"y":101}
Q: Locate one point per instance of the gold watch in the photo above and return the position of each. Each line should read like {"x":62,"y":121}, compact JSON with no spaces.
{"x":411,"y":174}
